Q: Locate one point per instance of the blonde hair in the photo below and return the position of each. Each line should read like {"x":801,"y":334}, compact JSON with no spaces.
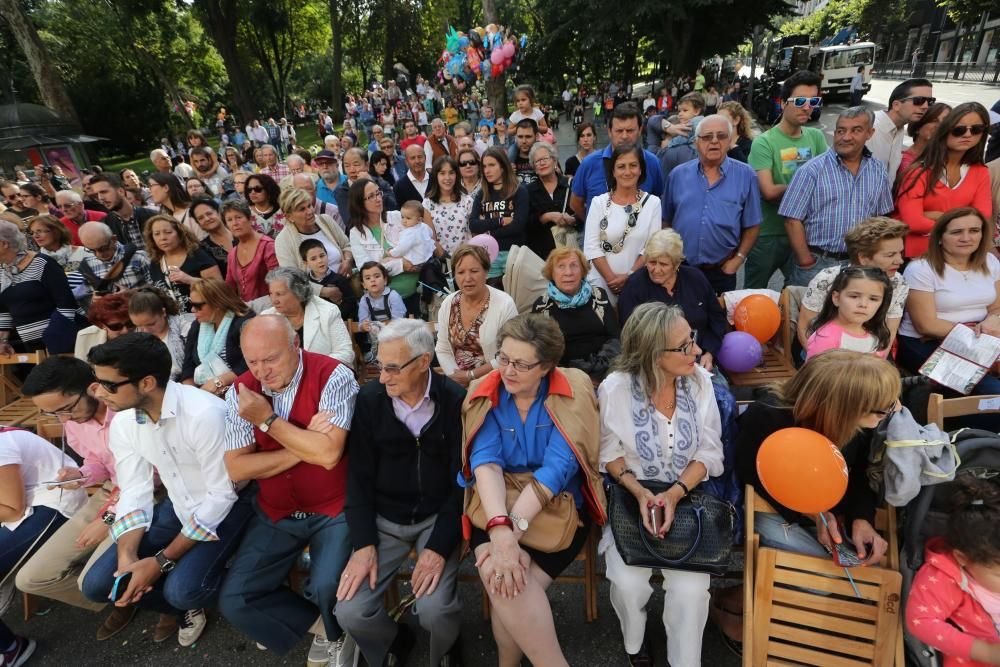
{"x":186,"y":238}
{"x":666,"y":242}
{"x":559,"y":254}
{"x":220,"y":295}
{"x":835,"y":389}
{"x":870,"y":232}
{"x":737,"y":111}
{"x":292,"y":198}
{"x":643,"y":340}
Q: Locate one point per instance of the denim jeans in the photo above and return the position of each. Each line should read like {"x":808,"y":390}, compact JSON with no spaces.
{"x":194,"y":582}
{"x":801,"y":277}
{"x":776,"y":533}
{"x":14,"y":544}
{"x":254,"y":596}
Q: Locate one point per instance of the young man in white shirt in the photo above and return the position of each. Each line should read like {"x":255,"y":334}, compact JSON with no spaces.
{"x":908,"y":102}
{"x":176,"y":552}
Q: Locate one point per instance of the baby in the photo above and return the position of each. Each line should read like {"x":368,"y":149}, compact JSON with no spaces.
{"x":416,"y":243}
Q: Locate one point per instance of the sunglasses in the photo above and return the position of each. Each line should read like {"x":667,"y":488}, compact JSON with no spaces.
{"x":920,"y":100}
{"x":717,"y":136}
{"x":196,"y":305}
{"x":962,"y":130}
{"x":254,"y":188}
{"x":468,"y":163}
{"x":813,"y":102}
{"x":118,"y":326}
{"x":113,"y":387}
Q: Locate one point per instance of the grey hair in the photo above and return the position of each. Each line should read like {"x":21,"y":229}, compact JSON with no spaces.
{"x":665,"y":243}
{"x":265,"y":147}
{"x":156,"y":153}
{"x":436,"y":122}
{"x":643,"y":339}
{"x":12,"y":235}
{"x":284,"y":324}
{"x":295,"y":158}
{"x":98,"y":227}
{"x":68,"y":196}
{"x":540,"y":146}
{"x":297,"y":281}
{"x":416,"y":333}
{"x":717,"y":117}
{"x":856,"y":112}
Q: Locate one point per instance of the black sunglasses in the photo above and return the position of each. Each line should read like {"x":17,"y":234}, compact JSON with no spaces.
{"x":254,"y":188}
{"x":118,"y":326}
{"x":920,"y":100}
{"x":196,"y":305}
{"x":468,"y":163}
{"x":112,"y":387}
{"x":962,"y":130}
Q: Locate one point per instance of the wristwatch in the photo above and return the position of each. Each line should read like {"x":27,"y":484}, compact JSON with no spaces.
{"x":266,"y":426}
{"x":519,"y":522}
{"x":166,"y":565}
{"x":108,"y":517}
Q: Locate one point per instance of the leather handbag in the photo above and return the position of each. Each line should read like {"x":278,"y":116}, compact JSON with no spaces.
{"x":699,"y":540}
{"x":552,"y":529}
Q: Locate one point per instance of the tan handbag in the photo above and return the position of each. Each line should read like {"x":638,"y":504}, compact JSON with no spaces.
{"x":552,"y":529}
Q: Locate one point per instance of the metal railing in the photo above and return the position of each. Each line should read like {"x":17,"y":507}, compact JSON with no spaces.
{"x":942,"y":71}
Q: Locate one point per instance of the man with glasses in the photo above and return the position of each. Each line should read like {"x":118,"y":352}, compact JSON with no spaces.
{"x":74,"y":214}
{"x":170,"y":558}
{"x":410,"y":420}
{"x":327,"y":165}
{"x":61,"y":388}
{"x":908,"y":102}
{"x":831,"y":195}
{"x":125,"y":220}
{"x":110,"y":266}
{"x":286,"y":427}
{"x":775,"y":155}
{"x":714,"y":204}
{"x":12,"y":199}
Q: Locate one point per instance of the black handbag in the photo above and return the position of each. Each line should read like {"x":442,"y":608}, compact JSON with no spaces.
{"x":699,"y":539}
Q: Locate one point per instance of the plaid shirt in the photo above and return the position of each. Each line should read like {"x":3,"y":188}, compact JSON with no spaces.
{"x":277,"y":172}
{"x":134,"y":275}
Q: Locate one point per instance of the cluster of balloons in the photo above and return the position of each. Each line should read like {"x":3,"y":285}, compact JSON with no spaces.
{"x":802,"y":470}
{"x":756,"y":319}
{"x":480,"y":54}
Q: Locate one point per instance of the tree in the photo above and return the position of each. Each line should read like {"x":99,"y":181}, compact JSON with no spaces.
{"x":496,"y":90}
{"x":46,"y":75}
{"x":221,"y":19}
{"x":337,"y":15}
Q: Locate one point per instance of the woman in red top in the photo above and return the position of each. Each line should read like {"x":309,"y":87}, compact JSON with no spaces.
{"x":253,"y":255}
{"x":949,"y":174}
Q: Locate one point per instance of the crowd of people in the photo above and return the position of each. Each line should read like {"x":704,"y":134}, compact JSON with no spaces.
{"x":209,"y":327}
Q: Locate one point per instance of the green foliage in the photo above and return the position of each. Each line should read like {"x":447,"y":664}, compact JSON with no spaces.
{"x":967,"y":11}
{"x":869,"y":17}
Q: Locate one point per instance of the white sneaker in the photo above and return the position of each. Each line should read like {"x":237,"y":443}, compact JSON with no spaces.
{"x":319,"y":655}
{"x":191,"y":627}
{"x":7,"y":592}
{"x":343,"y":652}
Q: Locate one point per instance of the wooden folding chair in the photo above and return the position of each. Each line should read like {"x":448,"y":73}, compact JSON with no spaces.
{"x":777,"y":363}
{"x":16,"y":410}
{"x":802,"y":610}
{"x":939,"y":408}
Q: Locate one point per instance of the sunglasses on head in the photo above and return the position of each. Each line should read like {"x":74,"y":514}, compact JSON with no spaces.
{"x":254,"y":188}
{"x":920,"y":100}
{"x":962,"y":130}
{"x":800,"y":102}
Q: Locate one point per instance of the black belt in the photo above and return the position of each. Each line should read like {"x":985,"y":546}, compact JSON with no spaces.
{"x":819,"y":252}
{"x":300,"y":516}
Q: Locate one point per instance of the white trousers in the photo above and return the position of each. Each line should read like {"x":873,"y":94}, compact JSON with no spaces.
{"x":685,"y":607}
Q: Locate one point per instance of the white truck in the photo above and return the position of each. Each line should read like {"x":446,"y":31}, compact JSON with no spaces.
{"x":838,"y":65}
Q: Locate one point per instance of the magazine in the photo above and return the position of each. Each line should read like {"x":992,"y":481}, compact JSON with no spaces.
{"x":962,"y":359}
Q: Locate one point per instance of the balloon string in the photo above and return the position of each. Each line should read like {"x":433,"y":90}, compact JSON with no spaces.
{"x":846,"y":571}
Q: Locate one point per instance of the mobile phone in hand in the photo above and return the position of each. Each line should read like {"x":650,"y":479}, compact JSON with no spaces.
{"x":845,"y":554}
{"x":75,"y":480}
{"x":656,"y":518}
{"x":120,"y":586}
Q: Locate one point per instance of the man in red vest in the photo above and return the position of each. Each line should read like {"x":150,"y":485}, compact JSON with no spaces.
{"x":286,"y":427}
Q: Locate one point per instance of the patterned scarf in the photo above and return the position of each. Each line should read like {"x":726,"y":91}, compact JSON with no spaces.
{"x":655,"y":465}
{"x":211,"y":342}
{"x":581,"y":298}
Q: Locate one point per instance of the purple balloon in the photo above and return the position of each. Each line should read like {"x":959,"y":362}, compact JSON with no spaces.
{"x":740,"y":352}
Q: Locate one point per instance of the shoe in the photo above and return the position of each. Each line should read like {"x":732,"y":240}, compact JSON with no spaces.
{"x":165,"y":628}
{"x":192,"y":625}
{"x":318,"y":652}
{"x":641,"y":659}
{"x":19,"y":654}
{"x":401,"y":647}
{"x":453,"y":658}
{"x":7,"y":592}
{"x":116,"y":622}
{"x":342,"y":653}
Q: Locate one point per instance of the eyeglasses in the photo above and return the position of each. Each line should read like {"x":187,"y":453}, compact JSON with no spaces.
{"x":468,"y":163}
{"x":800,"y":102}
{"x":196,"y":305}
{"x":684,"y":349}
{"x":543,"y":160}
{"x":64,"y":412}
{"x":118,"y":326}
{"x":113,"y":387}
{"x":254,"y":188}
{"x":717,"y":136}
{"x":962,"y":130}
{"x":373,"y":196}
{"x":920,"y":100}
{"x":394,"y":370}
{"x":885,"y":413}
{"x":518,"y":365}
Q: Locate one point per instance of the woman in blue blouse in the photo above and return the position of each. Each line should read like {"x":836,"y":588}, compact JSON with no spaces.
{"x":529,"y":416}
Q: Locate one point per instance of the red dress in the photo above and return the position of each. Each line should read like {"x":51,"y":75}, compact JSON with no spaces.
{"x":248,"y":280}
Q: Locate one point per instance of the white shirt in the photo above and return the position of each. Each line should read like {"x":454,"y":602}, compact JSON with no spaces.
{"x":333,"y":255}
{"x":416,"y":244}
{"x":366,"y":248}
{"x":39,"y":462}
{"x":959,"y":296}
{"x":420,"y":185}
{"x":886,"y":144}
{"x":186,"y":446}
{"x":858,"y":82}
{"x":620,"y":262}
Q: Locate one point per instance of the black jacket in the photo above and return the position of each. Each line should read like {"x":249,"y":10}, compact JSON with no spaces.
{"x":404,"y":191}
{"x":234,"y":355}
{"x":403,"y":478}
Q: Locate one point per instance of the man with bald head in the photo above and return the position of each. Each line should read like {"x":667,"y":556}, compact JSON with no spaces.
{"x":74,"y":213}
{"x":414,"y":186}
{"x":714,"y":204}
{"x":111,"y":266}
{"x":287,"y":422}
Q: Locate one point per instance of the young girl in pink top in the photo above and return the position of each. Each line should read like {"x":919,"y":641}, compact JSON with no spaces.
{"x":954,"y":605}
{"x":853,"y":316}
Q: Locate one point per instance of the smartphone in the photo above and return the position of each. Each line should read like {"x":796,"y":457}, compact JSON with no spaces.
{"x":120,"y":586}
{"x":656,"y":518}
{"x":845,"y":554}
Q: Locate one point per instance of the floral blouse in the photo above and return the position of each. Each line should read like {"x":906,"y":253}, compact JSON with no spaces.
{"x":465,"y":342}
{"x":451,"y":221}
{"x":271,"y":225}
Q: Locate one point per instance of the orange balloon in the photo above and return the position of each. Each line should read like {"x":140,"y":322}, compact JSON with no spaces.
{"x":757,"y":315}
{"x":802,"y":470}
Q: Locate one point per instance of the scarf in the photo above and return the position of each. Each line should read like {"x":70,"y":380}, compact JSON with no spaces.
{"x":564,"y":302}
{"x":647,"y":434}
{"x":175,"y":343}
{"x":210,"y":343}
{"x":61,"y":255}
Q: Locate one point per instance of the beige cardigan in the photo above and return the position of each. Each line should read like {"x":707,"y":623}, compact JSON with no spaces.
{"x":286,"y":246}
{"x":501,"y":309}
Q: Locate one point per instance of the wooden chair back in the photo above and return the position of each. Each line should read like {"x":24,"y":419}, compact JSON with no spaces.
{"x":10,"y":386}
{"x":777,"y":362}
{"x":939,"y":408}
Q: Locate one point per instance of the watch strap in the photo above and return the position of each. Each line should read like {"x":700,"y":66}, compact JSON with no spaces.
{"x":267,"y":422}
{"x":502,"y":520}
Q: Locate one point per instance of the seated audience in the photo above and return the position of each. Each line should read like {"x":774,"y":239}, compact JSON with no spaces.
{"x":176,"y":261}
{"x":152,"y":310}
{"x":212,"y":354}
{"x":317,"y":322}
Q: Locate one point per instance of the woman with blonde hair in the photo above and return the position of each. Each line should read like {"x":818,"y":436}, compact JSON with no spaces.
{"x":842,"y":395}
{"x":212,"y":354}
{"x":659,"y":422}
{"x":742,"y":129}
{"x":176,"y":258}
{"x":301,"y":223}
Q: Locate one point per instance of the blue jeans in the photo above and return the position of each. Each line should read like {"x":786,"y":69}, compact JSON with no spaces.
{"x":255,"y":597}
{"x":194,"y":583}
{"x":14,"y":544}
{"x":801,"y":277}
{"x":776,"y":533}
{"x":913,"y":352}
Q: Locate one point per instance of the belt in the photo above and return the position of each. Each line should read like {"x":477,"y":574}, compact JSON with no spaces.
{"x":819,"y":252}
{"x":300,"y":516}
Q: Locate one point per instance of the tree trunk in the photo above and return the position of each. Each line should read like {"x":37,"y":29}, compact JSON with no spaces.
{"x":50,"y":84}
{"x":336,"y":76}
{"x":390,"y":40}
{"x":220,"y":19}
{"x":496,"y":91}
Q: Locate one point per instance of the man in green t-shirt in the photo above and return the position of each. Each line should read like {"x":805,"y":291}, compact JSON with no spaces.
{"x":699,"y":81}
{"x":775,"y":155}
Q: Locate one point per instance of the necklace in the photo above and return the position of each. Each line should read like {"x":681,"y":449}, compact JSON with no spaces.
{"x":266,"y":210}
{"x":632,"y":210}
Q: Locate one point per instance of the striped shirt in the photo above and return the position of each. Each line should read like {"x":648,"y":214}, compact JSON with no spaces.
{"x":830,"y":200}
{"x":28,"y":298}
{"x":337,"y":398}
